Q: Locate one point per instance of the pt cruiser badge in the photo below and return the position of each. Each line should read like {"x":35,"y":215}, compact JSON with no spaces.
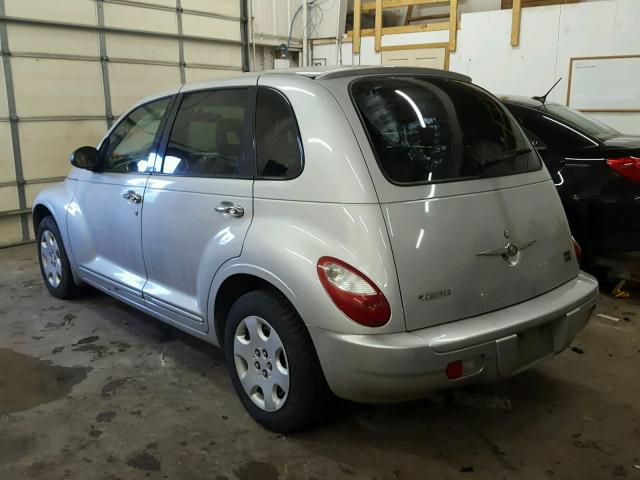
{"x":511,"y":252}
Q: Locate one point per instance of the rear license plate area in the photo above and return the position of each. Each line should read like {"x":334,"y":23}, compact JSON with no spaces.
{"x":519,"y":350}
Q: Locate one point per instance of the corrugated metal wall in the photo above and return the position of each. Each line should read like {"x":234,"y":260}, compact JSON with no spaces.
{"x":70,"y":67}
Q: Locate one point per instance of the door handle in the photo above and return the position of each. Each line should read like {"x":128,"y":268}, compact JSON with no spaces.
{"x":132,"y":197}
{"x":228,"y":208}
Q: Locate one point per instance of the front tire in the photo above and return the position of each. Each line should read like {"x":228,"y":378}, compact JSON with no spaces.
{"x":54,"y":263}
{"x":273,"y":364}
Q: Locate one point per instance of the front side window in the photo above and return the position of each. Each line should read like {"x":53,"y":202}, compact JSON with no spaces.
{"x":128,"y":147}
{"x":207,"y":136}
{"x":278,"y":144}
{"x":425,"y":130}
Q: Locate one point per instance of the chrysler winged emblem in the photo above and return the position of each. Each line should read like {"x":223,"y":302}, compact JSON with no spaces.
{"x":511,"y":252}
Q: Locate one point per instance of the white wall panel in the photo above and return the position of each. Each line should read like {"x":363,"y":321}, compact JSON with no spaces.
{"x":140,"y":18}
{"x":549,"y":37}
{"x":46,"y":87}
{"x":137,"y":47}
{"x":212,"y":54}
{"x":198,"y":74}
{"x":580,"y":34}
{"x":7,"y":170}
{"x":202,"y":26}
{"x":626,"y":27}
{"x":221,"y":7}
{"x":8,"y":198}
{"x":130,"y":83}
{"x":70,"y":11}
{"x":29,"y":38}
{"x":46,"y":146}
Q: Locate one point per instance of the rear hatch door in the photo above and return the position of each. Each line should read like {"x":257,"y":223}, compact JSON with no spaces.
{"x":474,"y":221}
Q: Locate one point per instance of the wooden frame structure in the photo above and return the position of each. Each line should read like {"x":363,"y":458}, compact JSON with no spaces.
{"x":415,"y":46}
{"x":450,"y":24}
{"x":516,"y":13}
{"x":378,"y":31}
{"x":516,"y":19}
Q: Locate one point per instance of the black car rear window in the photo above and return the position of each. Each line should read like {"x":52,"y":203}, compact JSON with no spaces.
{"x":426,"y":130}
{"x":580,"y":120}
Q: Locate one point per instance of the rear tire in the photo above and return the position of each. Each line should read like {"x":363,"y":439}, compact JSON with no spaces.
{"x":284,"y":390}
{"x":54,"y":263}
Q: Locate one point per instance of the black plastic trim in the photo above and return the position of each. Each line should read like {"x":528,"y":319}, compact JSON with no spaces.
{"x":298,"y":138}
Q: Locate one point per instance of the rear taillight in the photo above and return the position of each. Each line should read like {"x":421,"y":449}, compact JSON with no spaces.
{"x":628,"y":167}
{"x":353,"y":293}
{"x":577,"y":249}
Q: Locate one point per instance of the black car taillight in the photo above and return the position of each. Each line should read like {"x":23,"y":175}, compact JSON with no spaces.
{"x":628,"y":167}
{"x":577,"y":249}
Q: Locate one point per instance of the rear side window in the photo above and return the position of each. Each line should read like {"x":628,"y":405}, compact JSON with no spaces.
{"x":426,"y":130}
{"x":207,"y":135}
{"x":278,"y":144}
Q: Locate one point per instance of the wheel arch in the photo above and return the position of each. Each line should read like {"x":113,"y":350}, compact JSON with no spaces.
{"x":54,"y":201}
{"x":40,"y":211}
{"x":235,"y":282}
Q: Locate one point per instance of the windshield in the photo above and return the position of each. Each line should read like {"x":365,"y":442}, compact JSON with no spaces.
{"x":426,"y":130}
{"x":585,"y":123}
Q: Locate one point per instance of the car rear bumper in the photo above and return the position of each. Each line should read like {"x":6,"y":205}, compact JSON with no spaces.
{"x":409,"y":365}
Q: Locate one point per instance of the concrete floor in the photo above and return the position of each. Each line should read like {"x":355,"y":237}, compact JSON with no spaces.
{"x":92,"y":389}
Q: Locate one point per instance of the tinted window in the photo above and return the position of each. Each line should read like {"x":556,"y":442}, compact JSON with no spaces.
{"x":553,"y":133}
{"x":128,"y":147}
{"x":428,"y":130}
{"x":535,"y":140}
{"x":278,"y":145}
{"x":207,"y":135}
{"x":585,"y":123}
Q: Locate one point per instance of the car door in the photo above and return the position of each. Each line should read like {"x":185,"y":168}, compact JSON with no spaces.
{"x":198,"y":207}
{"x":104,"y":220}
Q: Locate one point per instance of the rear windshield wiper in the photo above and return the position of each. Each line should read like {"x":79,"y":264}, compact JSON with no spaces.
{"x":482,"y":164}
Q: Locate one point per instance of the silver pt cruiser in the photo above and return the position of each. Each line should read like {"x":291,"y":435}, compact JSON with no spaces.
{"x":375,"y":233}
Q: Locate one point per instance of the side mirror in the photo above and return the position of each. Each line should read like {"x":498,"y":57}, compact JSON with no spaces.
{"x":85,"y":157}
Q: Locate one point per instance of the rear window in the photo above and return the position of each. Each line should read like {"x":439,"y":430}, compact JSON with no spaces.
{"x":578,"y":119}
{"x":427,"y":130}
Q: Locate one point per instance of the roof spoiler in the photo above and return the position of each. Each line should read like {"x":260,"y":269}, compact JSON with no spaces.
{"x":375,"y":70}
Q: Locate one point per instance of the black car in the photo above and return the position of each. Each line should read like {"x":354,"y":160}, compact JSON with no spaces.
{"x":596,"y":170}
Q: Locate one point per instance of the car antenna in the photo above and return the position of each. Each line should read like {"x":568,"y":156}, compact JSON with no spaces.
{"x":543,"y":98}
